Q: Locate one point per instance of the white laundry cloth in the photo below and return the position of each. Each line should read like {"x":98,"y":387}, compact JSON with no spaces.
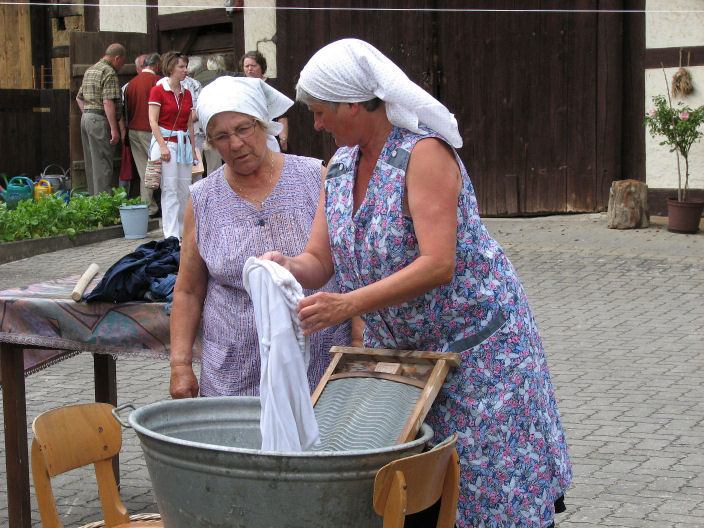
{"x":352,"y":71}
{"x":287,"y":419}
{"x":245,"y":95}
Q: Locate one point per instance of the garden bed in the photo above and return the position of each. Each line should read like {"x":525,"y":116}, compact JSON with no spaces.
{"x":11,"y":251}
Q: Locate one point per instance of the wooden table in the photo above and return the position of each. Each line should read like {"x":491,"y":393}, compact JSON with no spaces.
{"x":39,"y":325}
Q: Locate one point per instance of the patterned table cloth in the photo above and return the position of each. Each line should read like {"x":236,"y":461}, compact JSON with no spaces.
{"x":44,"y":315}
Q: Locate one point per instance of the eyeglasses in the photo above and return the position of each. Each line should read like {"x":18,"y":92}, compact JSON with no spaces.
{"x":242,"y":132}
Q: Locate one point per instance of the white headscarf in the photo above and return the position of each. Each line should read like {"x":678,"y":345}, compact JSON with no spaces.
{"x":246,"y":95}
{"x":352,"y":71}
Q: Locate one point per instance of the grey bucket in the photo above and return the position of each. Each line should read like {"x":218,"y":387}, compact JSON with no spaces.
{"x":59,"y":182}
{"x":207,"y":471}
{"x":135,"y":220}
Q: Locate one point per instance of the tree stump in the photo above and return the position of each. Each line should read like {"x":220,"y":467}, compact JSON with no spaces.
{"x":628,"y":205}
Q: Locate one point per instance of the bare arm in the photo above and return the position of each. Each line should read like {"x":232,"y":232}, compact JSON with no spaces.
{"x":433,"y":184}
{"x":283,"y":137}
{"x":154,"y":111}
{"x":189,"y":295}
{"x":79,"y":102}
{"x":191,"y":134}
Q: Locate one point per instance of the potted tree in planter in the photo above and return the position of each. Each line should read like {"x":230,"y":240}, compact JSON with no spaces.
{"x":680,"y":127}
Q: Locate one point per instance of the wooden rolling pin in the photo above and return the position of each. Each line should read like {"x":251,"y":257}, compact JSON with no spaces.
{"x":83,"y":282}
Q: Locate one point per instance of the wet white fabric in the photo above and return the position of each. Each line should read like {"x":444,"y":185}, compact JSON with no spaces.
{"x":352,"y":71}
{"x":287,"y":420}
{"x":246,"y":95}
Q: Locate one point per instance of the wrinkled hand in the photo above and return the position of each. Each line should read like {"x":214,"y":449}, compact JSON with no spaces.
{"x":184,"y":383}
{"x":322,"y":310}
{"x":165,"y":153}
{"x":114,"y":136}
{"x":276,"y":256}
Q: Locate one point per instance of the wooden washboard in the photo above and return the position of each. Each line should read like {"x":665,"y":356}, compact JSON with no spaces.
{"x":378,"y":396}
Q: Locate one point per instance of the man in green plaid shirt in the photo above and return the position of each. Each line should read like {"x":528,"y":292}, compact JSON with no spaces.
{"x":102,"y":124}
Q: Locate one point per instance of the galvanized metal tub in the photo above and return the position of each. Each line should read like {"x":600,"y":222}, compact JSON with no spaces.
{"x":207,"y":470}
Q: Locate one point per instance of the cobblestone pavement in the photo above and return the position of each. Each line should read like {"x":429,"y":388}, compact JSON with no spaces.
{"x":622,"y":317}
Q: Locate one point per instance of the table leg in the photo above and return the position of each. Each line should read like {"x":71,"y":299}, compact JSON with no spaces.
{"x":105,"y":373}
{"x":16,"y":453}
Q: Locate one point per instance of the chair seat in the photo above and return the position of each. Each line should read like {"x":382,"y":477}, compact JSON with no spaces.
{"x":139,"y":520}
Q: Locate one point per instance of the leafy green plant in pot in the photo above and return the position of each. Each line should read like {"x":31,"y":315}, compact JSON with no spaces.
{"x":681,"y":127}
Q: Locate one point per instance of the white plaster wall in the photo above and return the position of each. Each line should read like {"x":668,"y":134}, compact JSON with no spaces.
{"x":665,"y":27}
{"x":127,"y":16}
{"x":259,"y":28}
{"x":673,"y":23}
{"x":660,"y":163}
{"x":168,"y":7}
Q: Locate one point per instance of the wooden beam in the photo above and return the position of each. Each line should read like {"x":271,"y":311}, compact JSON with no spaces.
{"x":670,"y":57}
{"x":91,"y":15}
{"x":191,"y":19}
{"x":657,"y":199}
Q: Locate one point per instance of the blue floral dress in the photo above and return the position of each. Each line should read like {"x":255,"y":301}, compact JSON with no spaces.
{"x":500,"y":401}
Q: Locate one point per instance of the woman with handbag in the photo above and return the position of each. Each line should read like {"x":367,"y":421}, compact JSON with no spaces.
{"x":172,"y":140}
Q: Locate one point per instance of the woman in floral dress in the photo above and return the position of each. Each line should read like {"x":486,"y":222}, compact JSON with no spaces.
{"x":398,"y":227}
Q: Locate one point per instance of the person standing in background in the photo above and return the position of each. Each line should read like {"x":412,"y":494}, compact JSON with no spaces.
{"x":195,"y":64}
{"x":172,"y":140}
{"x":102,"y":123}
{"x":253,"y":64}
{"x":140,"y":133}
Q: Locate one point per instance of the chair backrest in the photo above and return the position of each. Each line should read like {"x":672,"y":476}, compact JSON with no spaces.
{"x":412,"y":484}
{"x":70,"y":437}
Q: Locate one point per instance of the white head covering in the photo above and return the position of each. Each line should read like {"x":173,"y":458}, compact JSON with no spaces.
{"x":352,"y":71}
{"x":246,"y":95}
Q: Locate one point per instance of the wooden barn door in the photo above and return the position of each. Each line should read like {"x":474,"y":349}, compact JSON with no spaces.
{"x":85,"y":49}
{"x":537,"y":92}
{"x":33,"y":131}
{"x":538,"y":99}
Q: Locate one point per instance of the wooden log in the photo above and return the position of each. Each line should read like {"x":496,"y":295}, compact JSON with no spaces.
{"x":628,"y":205}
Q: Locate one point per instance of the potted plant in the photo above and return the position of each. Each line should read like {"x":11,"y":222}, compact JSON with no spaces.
{"x":680,"y":127}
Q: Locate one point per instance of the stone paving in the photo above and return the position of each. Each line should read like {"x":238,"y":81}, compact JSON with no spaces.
{"x":622,"y":317}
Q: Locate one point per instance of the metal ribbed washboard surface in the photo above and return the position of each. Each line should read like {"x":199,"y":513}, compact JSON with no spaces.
{"x":363,"y":413}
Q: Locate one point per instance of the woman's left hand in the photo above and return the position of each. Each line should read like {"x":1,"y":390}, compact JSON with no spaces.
{"x":322,"y":310}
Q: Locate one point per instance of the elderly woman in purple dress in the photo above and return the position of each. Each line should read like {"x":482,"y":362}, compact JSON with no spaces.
{"x":257,"y":200}
{"x":398,"y":227}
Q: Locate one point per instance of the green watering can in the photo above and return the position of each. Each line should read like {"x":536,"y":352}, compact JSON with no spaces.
{"x":18,"y":188}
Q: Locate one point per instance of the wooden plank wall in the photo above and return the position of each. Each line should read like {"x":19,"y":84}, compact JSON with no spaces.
{"x":538,"y":96}
{"x":16,"y":51}
{"x":34,"y":130}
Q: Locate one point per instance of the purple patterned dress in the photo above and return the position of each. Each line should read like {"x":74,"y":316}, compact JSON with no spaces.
{"x":500,"y":401}
{"x":228,"y":231}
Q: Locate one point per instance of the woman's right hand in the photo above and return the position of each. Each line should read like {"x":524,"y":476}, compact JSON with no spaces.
{"x":165,"y":153}
{"x":278,"y":257}
{"x":184,"y":383}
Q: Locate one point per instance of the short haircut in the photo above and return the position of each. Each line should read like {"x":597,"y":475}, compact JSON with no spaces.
{"x":307,"y":99}
{"x":170,"y":59}
{"x":115,"y":50}
{"x":256,"y":56}
{"x":195,"y":62}
{"x":216,"y":62}
{"x":151,"y":59}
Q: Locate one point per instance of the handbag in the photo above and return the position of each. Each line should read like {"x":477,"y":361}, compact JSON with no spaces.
{"x":152,"y":174}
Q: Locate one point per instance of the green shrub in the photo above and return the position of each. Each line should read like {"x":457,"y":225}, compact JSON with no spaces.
{"x":51,"y":215}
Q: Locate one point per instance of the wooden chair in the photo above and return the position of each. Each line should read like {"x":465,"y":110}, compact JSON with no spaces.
{"x":412,"y":484}
{"x":74,"y":436}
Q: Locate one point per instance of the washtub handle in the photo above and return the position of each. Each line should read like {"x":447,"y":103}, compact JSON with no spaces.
{"x":116,"y":413}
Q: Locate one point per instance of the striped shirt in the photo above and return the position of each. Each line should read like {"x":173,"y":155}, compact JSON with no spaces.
{"x":100,"y":83}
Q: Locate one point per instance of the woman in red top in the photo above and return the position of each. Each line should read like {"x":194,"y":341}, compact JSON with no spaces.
{"x":172,"y":140}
